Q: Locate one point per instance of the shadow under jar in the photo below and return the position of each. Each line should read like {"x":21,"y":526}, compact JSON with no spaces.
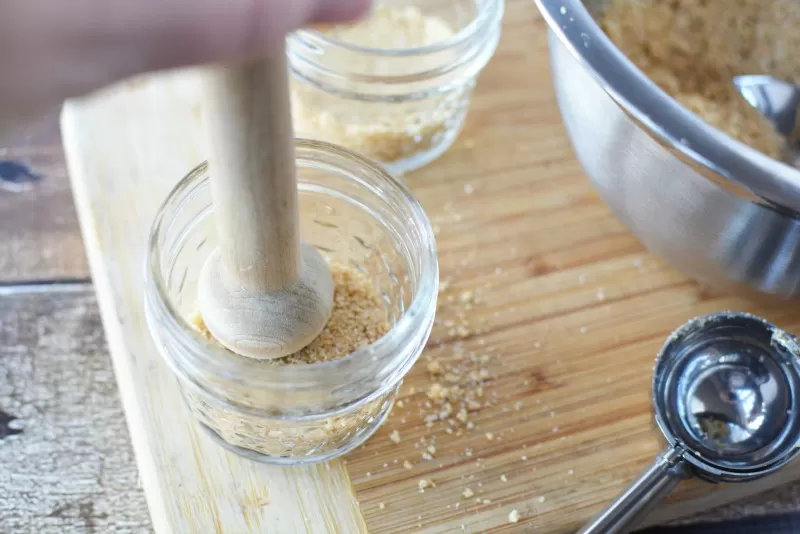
{"x":357,"y":215}
{"x":400,"y":106}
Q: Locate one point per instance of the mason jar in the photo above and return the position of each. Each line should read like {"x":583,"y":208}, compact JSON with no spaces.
{"x":402,"y":107}
{"x":356,"y":214}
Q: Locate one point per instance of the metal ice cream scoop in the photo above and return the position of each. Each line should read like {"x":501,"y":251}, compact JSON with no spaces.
{"x":725,"y":393}
{"x":778,"y":101}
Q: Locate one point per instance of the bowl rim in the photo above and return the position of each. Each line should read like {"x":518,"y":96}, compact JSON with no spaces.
{"x":664,"y":117}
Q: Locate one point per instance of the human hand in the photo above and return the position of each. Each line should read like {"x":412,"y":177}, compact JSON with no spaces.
{"x":53,"y":50}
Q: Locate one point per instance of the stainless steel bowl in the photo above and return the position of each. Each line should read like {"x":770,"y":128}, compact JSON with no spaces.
{"x":716,"y":209}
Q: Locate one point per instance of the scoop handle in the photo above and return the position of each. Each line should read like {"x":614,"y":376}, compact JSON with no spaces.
{"x":633,"y":505}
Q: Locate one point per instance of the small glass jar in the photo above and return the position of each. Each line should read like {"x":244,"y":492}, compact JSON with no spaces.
{"x":402,"y":107}
{"x":357,"y":215}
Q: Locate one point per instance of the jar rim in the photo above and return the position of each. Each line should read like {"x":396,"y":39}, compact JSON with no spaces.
{"x":412,"y":319}
{"x":489,"y":12}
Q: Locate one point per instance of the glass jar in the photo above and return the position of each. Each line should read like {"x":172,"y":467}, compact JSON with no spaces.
{"x":403,"y":107}
{"x":357,"y":215}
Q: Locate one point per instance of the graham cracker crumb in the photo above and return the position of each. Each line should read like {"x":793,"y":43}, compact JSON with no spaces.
{"x":394,"y":436}
{"x":467,"y":493}
{"x":425,"y":483}
{"x":407,"y":464}
{"x":358,"y":318}
{"x":437,"y":392}
{"x":196,"y":322}
{"x":434,"y":368}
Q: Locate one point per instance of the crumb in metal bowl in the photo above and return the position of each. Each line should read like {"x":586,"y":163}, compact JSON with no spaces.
{"x":693,"y":49}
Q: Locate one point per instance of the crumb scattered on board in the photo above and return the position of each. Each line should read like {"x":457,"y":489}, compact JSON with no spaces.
{"x":457,"y":375}
{"x":459,"y":387}
{"x":424,"y":483}
{"x":455,"y":395}
{"x":358,"y":318}
{"x":693,"y":49}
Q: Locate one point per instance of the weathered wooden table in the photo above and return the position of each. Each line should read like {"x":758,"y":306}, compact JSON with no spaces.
{"x":66,"y":464}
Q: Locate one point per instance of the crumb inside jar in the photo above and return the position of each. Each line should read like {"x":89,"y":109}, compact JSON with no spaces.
{"x":377,"y":119}
{"x":692,"y":49}
{"x":358,"y":318}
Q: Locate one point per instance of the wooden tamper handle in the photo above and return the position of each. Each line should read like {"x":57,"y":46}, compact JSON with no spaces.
{"x":264,"y":293}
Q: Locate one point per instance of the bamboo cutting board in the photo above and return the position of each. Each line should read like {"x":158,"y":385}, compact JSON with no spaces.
{"x":548,"y":303}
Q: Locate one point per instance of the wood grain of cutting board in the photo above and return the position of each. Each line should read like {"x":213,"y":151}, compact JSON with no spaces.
{"x":569,"y":313}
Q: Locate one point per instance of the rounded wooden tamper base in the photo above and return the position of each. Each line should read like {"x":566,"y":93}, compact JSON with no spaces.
{"x":266,"y":325}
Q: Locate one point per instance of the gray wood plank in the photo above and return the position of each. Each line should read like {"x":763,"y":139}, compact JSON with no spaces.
{"x":783,"y":502}
{"x":66,"y":463}
{"x":772,"y":524}
{"x":39,"y":233}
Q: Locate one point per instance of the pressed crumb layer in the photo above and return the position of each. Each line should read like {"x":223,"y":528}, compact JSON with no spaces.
{"x":385,"y":131}
{"x":692,"y":49}
{"x":358,"y":318}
